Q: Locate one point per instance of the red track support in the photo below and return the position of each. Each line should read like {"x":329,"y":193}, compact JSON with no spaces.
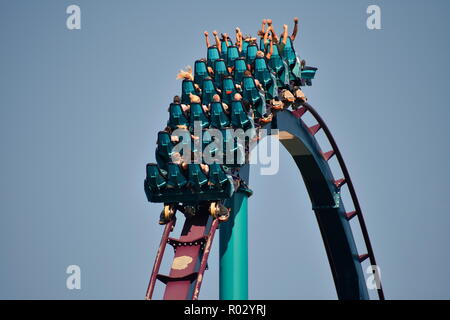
{"x":204,"y":260}
{"x":159,"y":255}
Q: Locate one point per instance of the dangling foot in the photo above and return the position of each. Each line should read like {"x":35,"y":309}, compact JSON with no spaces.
{"x":287,"y":97}
{"x":224,"y":213}
{"x":300,"y":96}
{"x":265,"y":120}
{"x":277,"y":105}
{"x":219,"y":211}
{"x":167,"y":214}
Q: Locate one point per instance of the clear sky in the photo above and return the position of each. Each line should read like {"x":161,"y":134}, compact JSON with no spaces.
{"x":80,"y":110}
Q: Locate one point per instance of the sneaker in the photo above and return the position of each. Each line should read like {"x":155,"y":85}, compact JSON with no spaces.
{"x":166,"y":214}
{"x":223,"y":213}
{"x":219,"y":211}
{"x":277,"y":105}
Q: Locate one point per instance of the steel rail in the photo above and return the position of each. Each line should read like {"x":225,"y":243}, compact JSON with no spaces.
{"x":349,"y":183}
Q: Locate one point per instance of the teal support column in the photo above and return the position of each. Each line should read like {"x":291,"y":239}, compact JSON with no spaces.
{"x":234,"y":250}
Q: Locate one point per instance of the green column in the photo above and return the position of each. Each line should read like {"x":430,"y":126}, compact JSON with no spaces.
{"x":234,"y":250}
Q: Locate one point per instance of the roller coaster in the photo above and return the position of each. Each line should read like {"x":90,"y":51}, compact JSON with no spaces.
{"x":213,"y":194}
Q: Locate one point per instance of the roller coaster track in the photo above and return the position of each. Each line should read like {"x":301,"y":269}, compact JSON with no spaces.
{"x":185,"y":278}
{"x":347,"y":179}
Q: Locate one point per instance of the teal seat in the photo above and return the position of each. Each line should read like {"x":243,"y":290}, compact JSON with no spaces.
{"x":295,"y":73}
{"x":196,"y":178}
{"x":164,"y":149}
{"x":231,"y":156}
{"x":200,"y":72}
{"x":219,"y":118}
{"x":292,"y":61}
{"x":155,"y":179}
{"x":245,"y":45}
{"x":233,"y":54}
{"x":175,"y":177}
{"x":252,"y":95}
{"x":228,"y":90}
{"x":224,"y":47}
{"x":279,"y":66}
{"x":208,"y":91}
{"x":252,"y":49}
{"x":309,"y":73}
{"x":207,"y":141}
{"x":289,"y":53}
{"x":177,"y":117}
{"x":266,"y":78}
{"x":198,"y":114}
{"x":217,"y":176}
{"x":185,"y":142}
{"x":212,"y":55}
{"x":187,"y":87}
{"x":239,"y":117}
{"x":261,"y":43}
{"x":240,"y":66}
{"x":220,"y":71}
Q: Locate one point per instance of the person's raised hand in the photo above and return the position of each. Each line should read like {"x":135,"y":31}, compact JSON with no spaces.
{"x":285,"y":26}
{"x":264,"y":21}
{"x":215,"y":33}
{"x":269,"y":22}
{"x":206,"y":33}
{"x":295,"y":20}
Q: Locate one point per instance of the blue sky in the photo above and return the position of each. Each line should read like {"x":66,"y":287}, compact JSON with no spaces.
{"x":80,"y":110}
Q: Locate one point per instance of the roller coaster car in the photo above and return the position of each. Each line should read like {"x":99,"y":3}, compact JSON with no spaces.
{"x":212,"y":55}
{"x":232,"y":54}
{"x":220,"y":71}
{"x":252,"y":49}
{"x":208,"y":91}
{"x":240,"y":66}
{"x":308,"y":73}
{"x":252,"y":95}
{"x":197,"y":114}
{"x":174,"y":187}
{"x":219,"y":119}
{"x":266,"y":78}
{"x":177,"y":117}
{"x":200,"y":72}
{"x":187,"y":87}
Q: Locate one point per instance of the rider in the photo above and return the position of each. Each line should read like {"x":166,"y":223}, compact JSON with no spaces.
{"x":216,"y":99}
